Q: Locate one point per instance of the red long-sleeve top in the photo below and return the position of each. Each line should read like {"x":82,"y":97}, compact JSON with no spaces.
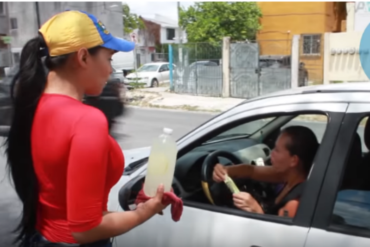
{"x":76,"y":164}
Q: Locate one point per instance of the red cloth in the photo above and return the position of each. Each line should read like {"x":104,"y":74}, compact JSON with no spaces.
{"x":168,"y":198}
{"x":76,"y":164}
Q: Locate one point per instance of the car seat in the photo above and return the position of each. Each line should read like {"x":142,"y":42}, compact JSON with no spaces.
{"x":353,"y":166}
{"x":365,"y":165}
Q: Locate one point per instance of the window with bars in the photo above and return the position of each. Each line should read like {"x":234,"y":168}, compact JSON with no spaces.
{"x":311,"y":44}
{"x":170,"y":33}
{"x":13,"y":23}
{"x":2,"y":8}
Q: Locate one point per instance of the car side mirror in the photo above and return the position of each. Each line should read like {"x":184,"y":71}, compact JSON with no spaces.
{"x":128,"y":193}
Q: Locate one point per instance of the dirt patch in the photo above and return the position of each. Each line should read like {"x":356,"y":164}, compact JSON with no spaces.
{"x":146,"y":99}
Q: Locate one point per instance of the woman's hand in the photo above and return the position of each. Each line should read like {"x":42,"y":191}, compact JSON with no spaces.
{"x":155,"y":203}
{"x":219,"y":173}
{"x":246,"y":202}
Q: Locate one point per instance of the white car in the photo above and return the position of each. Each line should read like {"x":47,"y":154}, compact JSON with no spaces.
{"x":150,"y":74}
{"x":335,"y":202}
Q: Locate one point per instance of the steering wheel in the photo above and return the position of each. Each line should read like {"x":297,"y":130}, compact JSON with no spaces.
{"x":218,"y":193}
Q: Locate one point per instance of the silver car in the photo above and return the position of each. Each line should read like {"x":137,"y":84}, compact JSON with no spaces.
{"x":334,"y":209}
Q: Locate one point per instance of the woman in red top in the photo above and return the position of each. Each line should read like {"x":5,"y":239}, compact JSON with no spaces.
{"x":62,"y":160}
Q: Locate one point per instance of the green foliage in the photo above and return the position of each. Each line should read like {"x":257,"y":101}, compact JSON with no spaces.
{"x":130,"y":21}
{"x":211,"y":21}
{"x":198,"y":51}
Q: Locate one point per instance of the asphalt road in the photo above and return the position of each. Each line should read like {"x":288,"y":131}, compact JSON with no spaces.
{"x":134,"y":130}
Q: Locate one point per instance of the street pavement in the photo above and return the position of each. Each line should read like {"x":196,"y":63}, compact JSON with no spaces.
{"x":134,"y":130}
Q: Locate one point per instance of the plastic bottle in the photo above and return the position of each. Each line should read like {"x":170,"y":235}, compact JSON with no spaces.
{"x":161,"y":164}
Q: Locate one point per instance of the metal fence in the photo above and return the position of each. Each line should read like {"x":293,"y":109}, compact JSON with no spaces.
{"x":255,"y":68}
{"x":198,"y":69}
{"x":258,"y":69}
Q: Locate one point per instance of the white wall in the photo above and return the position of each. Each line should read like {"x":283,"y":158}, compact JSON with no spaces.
{"x":164,"y":39}
{"x":361,"y":15}
{"x":341,"y":57}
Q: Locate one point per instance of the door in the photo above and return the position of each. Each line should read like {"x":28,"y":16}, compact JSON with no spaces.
{"x":244,"y":70}
{"x":164,"y":73}
{"x":342,"y":217}
{"x":203,"y":224}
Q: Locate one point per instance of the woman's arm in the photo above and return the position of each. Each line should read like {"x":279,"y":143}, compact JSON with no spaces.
{"x":290,"y":209}
{"x":266,"y":174}
{"x":117,"y":223}
{"x":86,"y":179}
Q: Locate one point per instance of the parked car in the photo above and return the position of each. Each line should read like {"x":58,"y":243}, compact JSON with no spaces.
{"x":150,"y":74}
{"x":118,"y":74}
{"x":267,"y":61}
{"x":335,"y":204}
{"x":110,"y":102}
{"x":6,"y":110}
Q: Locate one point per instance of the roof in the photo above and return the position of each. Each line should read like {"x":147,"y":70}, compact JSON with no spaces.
{"x":357,"y":87}
{"x":161,"y":20}
{"x":156,"y":63}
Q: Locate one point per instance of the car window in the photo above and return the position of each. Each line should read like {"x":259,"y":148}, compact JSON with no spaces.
{"x":352,"y":205}
{"x":314,"y":121}
{"x":244,"y":129}
{"x":163,"y":68}
{"x":148,"y":68}
{"x":250,"y":147}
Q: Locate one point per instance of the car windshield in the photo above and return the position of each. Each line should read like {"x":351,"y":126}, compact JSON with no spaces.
{"x":148,"y":68}
{"x":245,"y":129}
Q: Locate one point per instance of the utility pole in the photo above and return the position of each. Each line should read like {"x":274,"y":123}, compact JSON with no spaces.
{"x":7,"y":9}
{"x":179,"y":28}
{"x":38,"y":15}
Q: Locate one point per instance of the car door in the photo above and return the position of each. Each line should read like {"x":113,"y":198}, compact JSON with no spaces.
{"x":211,"y":226}
{"x":342,"y":217}
{"x":161,"y":73}
{"x":164,"y":73}
{"x":6,"y":109}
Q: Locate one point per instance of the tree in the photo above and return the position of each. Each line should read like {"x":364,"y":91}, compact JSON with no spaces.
{"x":130,"y":21}
{"x":211,"y":21}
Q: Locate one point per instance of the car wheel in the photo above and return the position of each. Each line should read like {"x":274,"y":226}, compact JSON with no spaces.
{"x":154,"y":83}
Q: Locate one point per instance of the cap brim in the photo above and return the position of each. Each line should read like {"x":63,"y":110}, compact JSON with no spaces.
{"x":118,"y":44}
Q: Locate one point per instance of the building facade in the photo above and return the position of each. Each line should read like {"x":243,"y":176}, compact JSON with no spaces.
{"x":310,"y":20}
{"x":23,"y":21}
{"x":159,"y":30}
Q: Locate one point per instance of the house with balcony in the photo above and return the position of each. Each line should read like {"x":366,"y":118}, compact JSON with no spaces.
{"x":159,"y":30}
{"x":310,"y":20}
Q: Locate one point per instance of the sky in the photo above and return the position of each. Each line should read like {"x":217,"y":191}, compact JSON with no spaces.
{"x":167,"y":9}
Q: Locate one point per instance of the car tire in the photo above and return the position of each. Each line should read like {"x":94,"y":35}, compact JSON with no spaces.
{"x":155,"y":83}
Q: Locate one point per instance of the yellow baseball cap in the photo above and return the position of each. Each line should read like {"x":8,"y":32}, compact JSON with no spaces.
{"x":71,"y":30}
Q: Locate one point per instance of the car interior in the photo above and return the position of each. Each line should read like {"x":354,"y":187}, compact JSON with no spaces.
{"x":355,"y":183}
{"x":236,"y":144}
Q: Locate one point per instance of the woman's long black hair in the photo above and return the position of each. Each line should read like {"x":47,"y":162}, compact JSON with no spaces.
{"x":26,"y":89}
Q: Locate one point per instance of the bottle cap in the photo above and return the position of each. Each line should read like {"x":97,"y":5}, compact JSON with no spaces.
{"x":167,"y":131}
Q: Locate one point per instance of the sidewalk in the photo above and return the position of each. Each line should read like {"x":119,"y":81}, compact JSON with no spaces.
{"x":161,"y":98}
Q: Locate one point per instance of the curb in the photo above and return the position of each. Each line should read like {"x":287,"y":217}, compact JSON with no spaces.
{"x":200,"y":111}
